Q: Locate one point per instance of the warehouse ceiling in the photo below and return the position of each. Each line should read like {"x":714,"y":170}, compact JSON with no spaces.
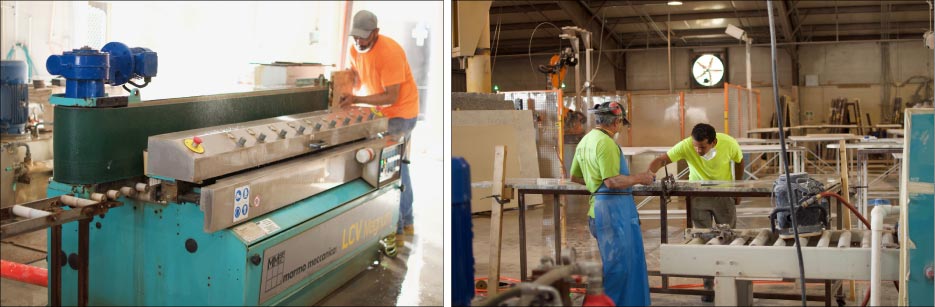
{"x":634,"y":25}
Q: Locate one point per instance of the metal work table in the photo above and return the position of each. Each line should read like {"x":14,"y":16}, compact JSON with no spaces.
{"x":767,"y":131}
{"x":863,"y":152}
{"x":820,"y":138}
{"x":688,"y":189}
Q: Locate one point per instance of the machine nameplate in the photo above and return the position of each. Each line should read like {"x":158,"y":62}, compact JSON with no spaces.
{"x":252,"y":231}
{"x":296,"y":258}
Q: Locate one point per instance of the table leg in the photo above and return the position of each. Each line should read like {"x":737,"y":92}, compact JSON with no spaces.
{"x":663,"y":233}
{"x":688,"y":212}
{"x":557,"y":218}
{"x":84,"y":235}
{"x":864,"y":186}
{"x":522,"y":235}
{"x":55,"y":266}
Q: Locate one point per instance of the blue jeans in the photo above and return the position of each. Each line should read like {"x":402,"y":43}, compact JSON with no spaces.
{"x":401,"y":127}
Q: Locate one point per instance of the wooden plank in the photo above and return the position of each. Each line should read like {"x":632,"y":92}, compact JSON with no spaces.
{"x":845,"y":192}
{"x":496,"y":219}
{"x":342,"y":83}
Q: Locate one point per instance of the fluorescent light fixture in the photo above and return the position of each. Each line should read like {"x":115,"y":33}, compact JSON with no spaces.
{"x":674,"y":3}
{"x":734,"y":31}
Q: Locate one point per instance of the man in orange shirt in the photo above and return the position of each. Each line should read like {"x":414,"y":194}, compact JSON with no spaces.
{"x":384,"y":81}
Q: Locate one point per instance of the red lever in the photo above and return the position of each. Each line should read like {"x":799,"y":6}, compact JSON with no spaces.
{"x":196,"y":140}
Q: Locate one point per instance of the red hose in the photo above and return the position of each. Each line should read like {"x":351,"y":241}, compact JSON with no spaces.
{"x":848,"y":205}
{"x":24,"y":273}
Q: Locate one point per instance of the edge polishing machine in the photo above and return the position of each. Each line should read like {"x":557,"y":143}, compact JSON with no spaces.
{"x":257,"y":198}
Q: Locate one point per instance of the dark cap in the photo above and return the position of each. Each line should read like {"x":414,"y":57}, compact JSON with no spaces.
{"x":364,"y":23}
{"x":611,"y":108}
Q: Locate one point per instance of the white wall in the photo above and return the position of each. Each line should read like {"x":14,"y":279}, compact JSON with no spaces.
{"x":52,"y":30}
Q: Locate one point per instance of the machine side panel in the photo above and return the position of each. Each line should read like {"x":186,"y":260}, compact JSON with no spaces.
{"x":920,"y":138}
{"x":296,"y":260}
{"x":95,"y":145}
{"x":140,"y":256}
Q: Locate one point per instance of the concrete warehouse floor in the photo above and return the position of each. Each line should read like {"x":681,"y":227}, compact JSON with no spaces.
{"x":752,"y":213}
{"x":411,"y":278}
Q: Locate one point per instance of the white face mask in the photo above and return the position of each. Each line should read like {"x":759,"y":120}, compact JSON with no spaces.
{"x":357,"y":47}
{"x":710,"y":155}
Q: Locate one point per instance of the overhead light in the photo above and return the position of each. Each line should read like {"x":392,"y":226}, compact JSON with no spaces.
{"x":674,"y":3}
{"x":735,"y":32}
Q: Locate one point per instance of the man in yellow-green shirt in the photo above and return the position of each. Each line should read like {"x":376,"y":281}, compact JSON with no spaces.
{"x":612,"y":217}
{"x":709,"y":156}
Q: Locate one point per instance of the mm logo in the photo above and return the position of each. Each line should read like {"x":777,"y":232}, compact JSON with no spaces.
{"x":276,"y":260}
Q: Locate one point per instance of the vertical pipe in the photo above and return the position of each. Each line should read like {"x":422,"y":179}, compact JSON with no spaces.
{"x":556,"y":219}
{"x":522,"y":235}
{"x":876,"y":227}
{"x":726,"y":107}
{"x":758,"y":120}
{"x":587,"y":68}
{"x":664,"y":232}
{"x":749,"y":99}
{"x":669,"y":51}
{"x":682,"y":114}
{"x":630,"y":116}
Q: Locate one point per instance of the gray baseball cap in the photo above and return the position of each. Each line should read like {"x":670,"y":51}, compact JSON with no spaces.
{"x":364,"y":23}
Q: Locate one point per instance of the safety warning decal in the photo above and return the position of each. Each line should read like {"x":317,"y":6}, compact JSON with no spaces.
{"x":241,"y":203}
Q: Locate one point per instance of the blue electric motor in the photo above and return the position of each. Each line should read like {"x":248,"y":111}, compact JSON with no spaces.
{"x":462,"y":252}
{"x":14,"y":97}
{"x":86,"y":70}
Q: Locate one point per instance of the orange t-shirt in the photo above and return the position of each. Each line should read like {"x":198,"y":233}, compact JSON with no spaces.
{"x":385,"y":65}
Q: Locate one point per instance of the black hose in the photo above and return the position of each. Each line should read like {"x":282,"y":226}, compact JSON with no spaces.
{"x":782,"y":144}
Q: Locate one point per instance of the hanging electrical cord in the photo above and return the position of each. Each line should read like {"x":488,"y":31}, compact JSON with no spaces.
{"x":782,"y":145}
{"x":496,"y":45}
{"x":529,"y":48}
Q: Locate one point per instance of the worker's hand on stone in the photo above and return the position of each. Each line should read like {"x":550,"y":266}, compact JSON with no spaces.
{"x":347,"y":101}
{"x":645,"y":178}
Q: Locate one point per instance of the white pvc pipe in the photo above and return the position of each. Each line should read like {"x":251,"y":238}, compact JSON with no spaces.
{"x":876,"y":227}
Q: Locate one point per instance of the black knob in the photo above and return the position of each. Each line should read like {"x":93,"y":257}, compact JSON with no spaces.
{"x":332,"y":124}
{"x":241,"y":142}
{"x":191,"y":245}
{"x":347,"y":121}
{"x":255,"y":259}
{"x":301,"y":130}
{"x":261,"y":137}
{"x":282,"y":133}
{"x":317,"y":126}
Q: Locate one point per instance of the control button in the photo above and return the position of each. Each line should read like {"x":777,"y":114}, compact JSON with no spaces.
{"x":360,"y":118}
{"x":317,"y":126}
{"x":241,"y":142}
{"x":282,"y":134}
{"x":260,"y":138}
{"x":194,"y":144}
{"x":332,"y":124}
{"x":347,"y":121}
{"x":300,"y":130}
